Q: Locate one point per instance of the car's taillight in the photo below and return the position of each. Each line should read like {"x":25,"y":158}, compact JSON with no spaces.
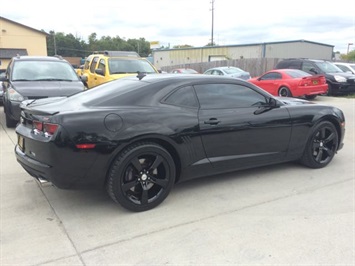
{"x":47,"y":129}
{"x":38,"y":125}
{"x":50,"y":128}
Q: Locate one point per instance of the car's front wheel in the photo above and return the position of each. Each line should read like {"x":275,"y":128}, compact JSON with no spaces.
{"x":141,"y":177}
{"x":9,"y":121}
{"x":321,"y":145}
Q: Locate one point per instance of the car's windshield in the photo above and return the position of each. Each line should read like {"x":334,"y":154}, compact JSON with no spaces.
{"x":328,"y":67}
{"x":232,"y":70}
{"x":123,"y":66}
{"x":37,"y":70}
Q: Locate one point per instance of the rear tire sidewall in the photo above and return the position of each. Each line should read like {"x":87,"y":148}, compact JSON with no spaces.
{"x":117,"y":171}
{"x":284,"y":92}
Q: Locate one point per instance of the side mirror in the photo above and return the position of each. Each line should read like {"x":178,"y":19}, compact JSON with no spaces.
{"x":3,"y":77}
{"x":84,"y":78}
{"x":100,"y":72}
{"x":272,"y":102}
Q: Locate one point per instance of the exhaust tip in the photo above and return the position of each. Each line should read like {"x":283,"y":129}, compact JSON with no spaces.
{"x":43,"y":182}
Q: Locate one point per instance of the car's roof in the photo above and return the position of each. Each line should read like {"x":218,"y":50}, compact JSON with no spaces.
{"x":152,"y":78}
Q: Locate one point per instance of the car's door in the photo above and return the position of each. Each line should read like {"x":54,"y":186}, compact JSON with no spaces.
{"x":237,"y":129}
{"x":102,"y":76}
{"x":91,"y":73}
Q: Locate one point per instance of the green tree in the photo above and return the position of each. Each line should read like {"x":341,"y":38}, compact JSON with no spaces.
{"x":348,"y":57}
{"x":182,"y":46}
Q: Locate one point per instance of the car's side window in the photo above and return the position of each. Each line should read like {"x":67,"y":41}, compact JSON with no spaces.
{"x":93,"y":64}
{"x":102,"y":66}
{"x":271,"y":76}
{"x":182,"y":97}
{"x":307,"y":67}
{"x":211,"y":96}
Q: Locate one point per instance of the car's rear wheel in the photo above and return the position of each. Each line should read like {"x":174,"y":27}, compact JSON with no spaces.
{"x":285,"y":92}
{"x":141,"y":177}
{"x":321,"y":145}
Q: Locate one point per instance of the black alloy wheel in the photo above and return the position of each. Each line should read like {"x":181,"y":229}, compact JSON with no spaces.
{"x":321,"y":146}
{"x":285,"y":92}
{"x":141,"y":177}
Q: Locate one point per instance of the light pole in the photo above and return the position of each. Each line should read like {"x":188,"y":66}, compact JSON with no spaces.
{"x":350,"y":43}
{"x":212,"y":2}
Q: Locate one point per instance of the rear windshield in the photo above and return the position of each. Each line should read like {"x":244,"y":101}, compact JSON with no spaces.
{"x":108,"y":93}
{"x":43,"y":71}
{"x":297,"y":73}
{"x":232,"y":70}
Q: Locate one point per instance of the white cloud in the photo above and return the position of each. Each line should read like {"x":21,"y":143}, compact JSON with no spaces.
{"x":190,"y":22}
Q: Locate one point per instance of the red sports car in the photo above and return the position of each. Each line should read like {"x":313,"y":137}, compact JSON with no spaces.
{"x":291,"y":83}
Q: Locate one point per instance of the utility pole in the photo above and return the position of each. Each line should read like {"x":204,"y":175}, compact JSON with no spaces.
{"x":55,"y":44}
{"x":212,"y":2}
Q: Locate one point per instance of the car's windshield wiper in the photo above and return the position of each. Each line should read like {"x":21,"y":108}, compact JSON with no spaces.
{"x":122,"y":72}
{"x":31,"y":102}
{"x":22,"y":80}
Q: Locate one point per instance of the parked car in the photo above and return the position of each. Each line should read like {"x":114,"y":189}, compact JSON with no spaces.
{"x":106,"y":66}
{"x":138,"y":136}
{"x":291,"y":83}
{"x":2,"y":76}
{"x":346,"y":67}
{"x":234,"y":72}
{"x":184,"y":71}
{"x":338,"y":81}
{"x":35,"y":77}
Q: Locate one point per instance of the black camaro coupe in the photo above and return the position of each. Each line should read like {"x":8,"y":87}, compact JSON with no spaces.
{"x":139,"y":135}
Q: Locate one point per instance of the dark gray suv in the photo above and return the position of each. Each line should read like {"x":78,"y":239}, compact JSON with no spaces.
{"x":338,"y":81}
{"x":35,"y":77}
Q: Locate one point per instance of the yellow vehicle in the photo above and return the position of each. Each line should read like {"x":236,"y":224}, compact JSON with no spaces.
{"x":105,"y":66}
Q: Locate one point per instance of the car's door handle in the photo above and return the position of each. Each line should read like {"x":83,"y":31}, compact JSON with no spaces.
{"x":212,"y":121}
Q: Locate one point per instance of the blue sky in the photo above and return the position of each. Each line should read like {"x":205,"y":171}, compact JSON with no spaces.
{"x":178,"y":22}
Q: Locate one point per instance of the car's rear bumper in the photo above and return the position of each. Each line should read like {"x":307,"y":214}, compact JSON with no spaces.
{"x":312,"y":90}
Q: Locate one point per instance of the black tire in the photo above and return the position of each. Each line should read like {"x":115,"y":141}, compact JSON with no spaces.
{"x":330,"y":90}
{"x":141,"y":176}
{"x":10,"y":122}
{"x":284,"y":92}
{"x":310,"y":97}
{"x":321,"y":145}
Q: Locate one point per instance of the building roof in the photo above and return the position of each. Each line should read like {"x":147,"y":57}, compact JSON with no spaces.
{"x":21,"y":25}
{"x":8,"y":53}
{"x":248,"y":44}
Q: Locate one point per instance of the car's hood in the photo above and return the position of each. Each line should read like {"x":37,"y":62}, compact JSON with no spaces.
{"x":343,"y":74}
{"x":47,"y":88}
{"x":293,"y":101}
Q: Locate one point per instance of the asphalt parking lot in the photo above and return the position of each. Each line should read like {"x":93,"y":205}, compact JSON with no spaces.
{"x":277,"y":215}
